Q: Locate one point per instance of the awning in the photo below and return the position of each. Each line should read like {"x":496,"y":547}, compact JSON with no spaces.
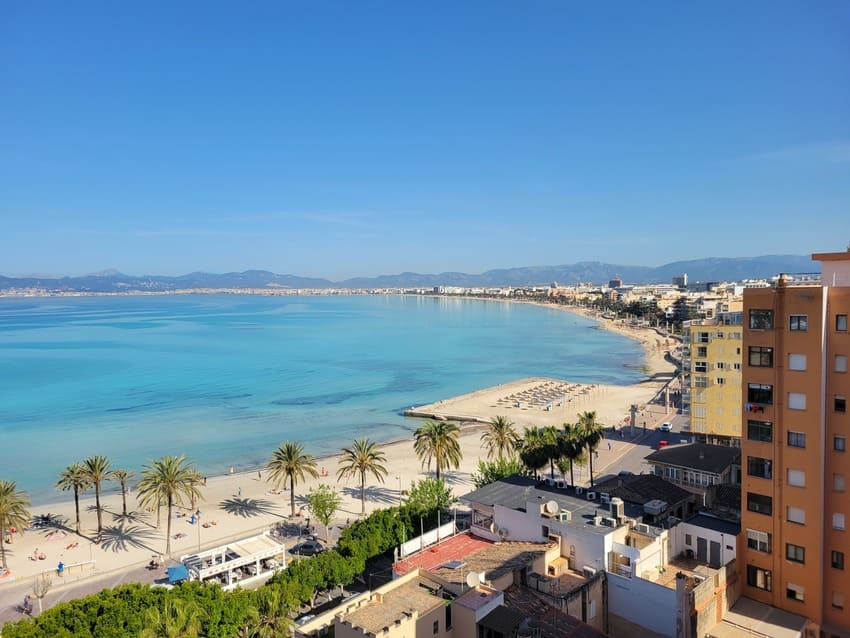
{"x":177,"y":574}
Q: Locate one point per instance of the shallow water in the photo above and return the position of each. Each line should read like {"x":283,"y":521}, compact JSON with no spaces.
{"x":225,"y":378}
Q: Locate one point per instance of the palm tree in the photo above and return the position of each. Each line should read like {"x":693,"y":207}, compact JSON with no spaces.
{"x":97,"y":471}
{"x":571,"y":445}
{"x":74,"y":477}
{"x":500,"y":438}
{"x":170,"y":480}
{"x":551,"y":437}
{"x":269,"y":618}
{"x":290,"y":462}
{"x":174,"y":618}
{"x":592,"y":433}
{"x":438,"y":440}
{"x":532,"y":449}
{"x":123,"y":477}
{"x":13,"y":512}
{"x":361,"y":458}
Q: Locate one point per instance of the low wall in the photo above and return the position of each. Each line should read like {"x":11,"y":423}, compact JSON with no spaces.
{"x":644,"y":603}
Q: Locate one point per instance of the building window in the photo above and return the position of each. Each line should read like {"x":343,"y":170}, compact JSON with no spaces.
{"x":736,"y":366}
{"x":796,"y":362}
{"x":759,"y":503}
{"x":759,"y":467}
{"x":798,"y":323}
{"x":758,"y":540}
{"x":700,"y":366}
{"x":760,"y":431}
{"x":838,"y":521}
{"x":840,"y":404}
{"x":795,"y":553}
{"x":838,"y":482}
{"x":796,"y":401}
{"x":795,"y":592}
{"x":838,"y":600}
{"x":700,"y":382}
{"x":841,"y":363}
{"x":702,"y":351}
{"x":761,"y":357}
{"x":761,"y":319}
{"x":841,"y":323}
{"x":436,"y":627}
{"x":795,"y":515}
{"x":837,"y":560}
{"x":759,"y":578}
{"x":720,"y":381}
{"x":591,"y":609}
{"x":720,"y":365}
{"x":702,"y":337}
{"x":839,"y":443}
{"x":760,"y":393}
{"x":796,"y":439}
{"x":689,"y":539}
{"x":796,"y":478}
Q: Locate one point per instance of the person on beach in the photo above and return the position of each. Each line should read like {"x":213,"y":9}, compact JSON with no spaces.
{"x":239,"y":492}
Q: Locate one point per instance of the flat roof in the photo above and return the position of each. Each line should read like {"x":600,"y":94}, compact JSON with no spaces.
{"x":455,"y":548}
{"x":845,"y":256}
{"x":760,"y":619}
{"x":515,"y":492}
{"x":393,"y":606}
{"x":494,"y":560}
{"x":702,"y":457}
{"x":716,"y":524}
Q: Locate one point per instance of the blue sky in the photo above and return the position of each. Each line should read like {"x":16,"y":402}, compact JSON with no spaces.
{"x":358,"y":138}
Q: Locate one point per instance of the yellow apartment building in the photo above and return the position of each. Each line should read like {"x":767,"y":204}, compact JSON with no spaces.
{"x":713,"y":363}
{"x":795,"y":506}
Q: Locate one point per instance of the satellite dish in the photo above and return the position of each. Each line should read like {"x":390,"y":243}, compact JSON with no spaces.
{"x":552,"y":507}
{"x":472,"y":579}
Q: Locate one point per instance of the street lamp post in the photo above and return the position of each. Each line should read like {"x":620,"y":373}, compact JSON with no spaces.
{"x":198,"y":523}
{"x":398,"y":478}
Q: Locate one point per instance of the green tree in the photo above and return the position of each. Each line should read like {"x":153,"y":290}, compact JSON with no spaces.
{"x":592,"y":434}
{"x":97,"y":471}
{"x":323,"y":502}
{"x":533,"y":450}
{"x":123,"y":477}
{"x":429,"y":495}
{"x":492,"y":471}
{"x":362,"y":458}
{"x":173,"y":618}
{"x":290,"y":462}
{"x":500,"y":438}
{"x":438,"y":441}
{"x":571,"y":445}
{"x":170,"y":480}
{"x":269,"y":618}
{"x":13,"y":512}
{"x":74,"y":477}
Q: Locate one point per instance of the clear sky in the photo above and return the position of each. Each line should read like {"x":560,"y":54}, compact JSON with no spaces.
{"x":359,"y":138}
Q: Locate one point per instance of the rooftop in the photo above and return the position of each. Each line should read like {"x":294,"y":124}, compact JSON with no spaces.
{"x":456,"y":548}
{"x":642,"y":488}
{"x":551,"y":622}
{"x":394,"y":606}
{"x":713,"y":459}
{"x":717,"y":524}
{"x":515,"y":492}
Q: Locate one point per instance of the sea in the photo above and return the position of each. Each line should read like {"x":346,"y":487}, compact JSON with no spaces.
{"x":224,"y":379}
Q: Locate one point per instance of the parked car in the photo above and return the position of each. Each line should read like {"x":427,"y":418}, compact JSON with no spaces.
{"x":666,"y":427}
{"x":307,"y":548}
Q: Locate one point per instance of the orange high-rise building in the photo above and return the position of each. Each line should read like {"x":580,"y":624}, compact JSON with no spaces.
{"x":795,"y":518}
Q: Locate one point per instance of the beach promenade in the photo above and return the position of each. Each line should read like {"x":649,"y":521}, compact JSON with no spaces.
{"x":242,"y":504}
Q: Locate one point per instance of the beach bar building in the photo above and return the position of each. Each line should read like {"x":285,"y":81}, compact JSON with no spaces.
{"x":242,"y":562}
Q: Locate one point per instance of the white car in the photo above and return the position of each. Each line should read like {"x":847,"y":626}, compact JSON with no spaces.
{"x":666,"y":427}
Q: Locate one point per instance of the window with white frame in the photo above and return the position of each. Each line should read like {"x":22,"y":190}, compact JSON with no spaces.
{"x":837,"y":520}
{"x":795,"y":592}
{"x":758,"y":540}
{"x":796,"y":401}
{"x":838,"y":482}
{"x":841,"y":363}
{"x":798,"y":323}
{"x":796,"y":362}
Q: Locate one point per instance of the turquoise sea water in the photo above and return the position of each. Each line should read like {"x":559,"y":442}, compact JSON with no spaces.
{"x":225,"y":378}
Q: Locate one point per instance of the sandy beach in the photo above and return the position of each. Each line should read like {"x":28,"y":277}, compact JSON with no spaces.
{"x":242,"y":504}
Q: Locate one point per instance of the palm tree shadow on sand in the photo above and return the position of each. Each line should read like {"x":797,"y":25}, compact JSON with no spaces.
{"x":121,"y":538}
{"x":249,"y":507}
{"x":373,"y":494}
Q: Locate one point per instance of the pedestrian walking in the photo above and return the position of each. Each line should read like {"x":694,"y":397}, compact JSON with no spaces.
{"x":609,"y":446}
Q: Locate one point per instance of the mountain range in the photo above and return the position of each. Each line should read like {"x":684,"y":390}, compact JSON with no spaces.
{"x":710,"y":269}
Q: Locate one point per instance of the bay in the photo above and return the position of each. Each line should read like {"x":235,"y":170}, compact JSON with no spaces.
{"x":225,"y":378}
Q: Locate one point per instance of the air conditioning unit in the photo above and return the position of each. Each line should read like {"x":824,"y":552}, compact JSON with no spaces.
{"x":503,"y":533}
{"x":550,"y":482}
{"x":610,"y":522}
{"x":604,"y":497}
{"x":588,"y":571}
{"x":565,"y":516}
{"x":561,"y":485}
{"x":597,"y":520}
{"x":643,"y":528}
{"x":591,"y":496}
{"x":579,"y":491}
